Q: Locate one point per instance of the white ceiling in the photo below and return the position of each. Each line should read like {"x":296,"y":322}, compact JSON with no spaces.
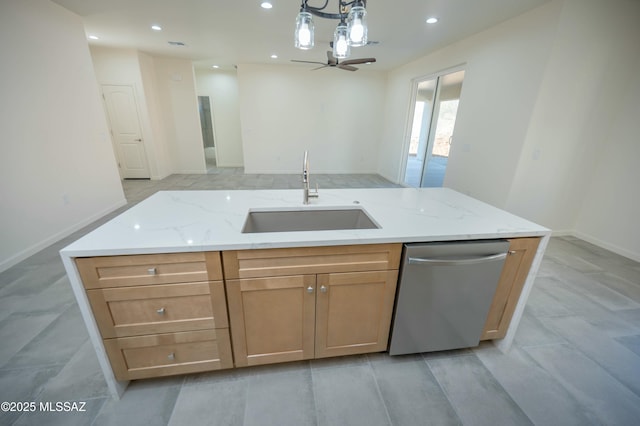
{"x":239,"y":31}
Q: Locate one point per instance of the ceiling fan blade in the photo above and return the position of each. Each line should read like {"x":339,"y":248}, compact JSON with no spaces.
{"x":358,"y":61}
{"x":323,"y":66}
{"x":332,"y":60}
{"x":347,"y":67}
{"x":308,"y":62}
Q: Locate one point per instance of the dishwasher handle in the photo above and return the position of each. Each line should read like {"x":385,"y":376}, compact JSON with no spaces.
{"x":454,"y":262}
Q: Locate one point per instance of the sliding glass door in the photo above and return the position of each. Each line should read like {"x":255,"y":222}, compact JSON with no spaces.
{"x":433,"y":120}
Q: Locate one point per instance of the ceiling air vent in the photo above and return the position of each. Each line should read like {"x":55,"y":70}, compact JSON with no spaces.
{"x":176,"y":43}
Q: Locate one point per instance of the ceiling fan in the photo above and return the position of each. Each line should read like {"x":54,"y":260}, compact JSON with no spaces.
{"x":333,"y":62}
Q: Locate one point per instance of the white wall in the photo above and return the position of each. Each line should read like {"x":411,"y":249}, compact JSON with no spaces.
{"x":123,"y":67}
{"x":546,"y":124}
{"x":335,"y":114}
{"x":222,"y":89}
{"x":503,"y":69}
{"x":167,"y":104}
{"x":589,"y":72}
{"x":611,"y":204}
{"x":178,"y":105}
{"x":57,"y":168}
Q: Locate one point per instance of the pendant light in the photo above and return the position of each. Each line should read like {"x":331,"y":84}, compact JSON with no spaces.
{"x":350,"y":32}
{"x":357,"y":25}
{"x":341,"y":48}
{"x":303,"y":35}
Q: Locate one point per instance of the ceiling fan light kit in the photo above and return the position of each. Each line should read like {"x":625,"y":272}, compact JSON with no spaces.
{"x":349,"y":33}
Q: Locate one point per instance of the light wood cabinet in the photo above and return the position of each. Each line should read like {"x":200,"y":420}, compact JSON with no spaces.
{"x":514,"y":274}
{"x":159,"y":314}
{"x":353,"y":312}
{"x":294,"y":304}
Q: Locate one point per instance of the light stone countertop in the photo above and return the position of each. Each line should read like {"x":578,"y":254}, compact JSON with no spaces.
{"x":184,"y":221}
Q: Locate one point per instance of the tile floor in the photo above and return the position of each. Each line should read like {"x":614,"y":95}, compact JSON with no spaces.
{"x":575,"y":360}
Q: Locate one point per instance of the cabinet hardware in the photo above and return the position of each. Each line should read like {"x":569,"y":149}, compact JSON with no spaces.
{"x":152,"y":271}
{"x":512,"y":252}
{"x":309,"y":289}
{"x":323,"y":289}
{"x":160,"y":311}
{"x":171,"y":356}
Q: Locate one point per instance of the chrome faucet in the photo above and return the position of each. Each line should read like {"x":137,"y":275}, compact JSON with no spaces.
{"x":305,"y":180}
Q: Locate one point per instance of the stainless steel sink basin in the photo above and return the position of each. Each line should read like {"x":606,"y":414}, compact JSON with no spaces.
{"x":307,"y":220}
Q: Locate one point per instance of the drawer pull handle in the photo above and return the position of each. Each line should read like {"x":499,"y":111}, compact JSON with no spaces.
{"x":512,"y":252}
{"x":323,"y":289}
{"x":171,"y":356}
{"x":152,"y":271}
{"x":160,"y":311}
{"x":309,"y":289}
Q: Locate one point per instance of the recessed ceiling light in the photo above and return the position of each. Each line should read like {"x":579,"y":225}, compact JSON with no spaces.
{"x":216,"y":66}
{"x":156,"y":28}
{"x":266,"y":5}
{"x":274,"y":56}
{"x":92,"y":37}
{"x":432,"y":20}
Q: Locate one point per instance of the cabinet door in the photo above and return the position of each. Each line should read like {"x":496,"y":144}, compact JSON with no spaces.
{"x":353,"y":312}
{"x":272,"y":319}
{"x":514,"y":274}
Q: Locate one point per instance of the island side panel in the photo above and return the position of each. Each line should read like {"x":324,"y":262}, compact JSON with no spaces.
{"x":505,"y":344}
{"x":116,"y":387}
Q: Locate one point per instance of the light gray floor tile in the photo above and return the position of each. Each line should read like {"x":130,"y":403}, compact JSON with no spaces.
{"x":532,"y":332}
{"x":631,"y":343}
{"x":542,"y":303}
{"x":220,"y":403}
{"x":18,"y":330}
{"x":56,"y":344}
{"x":80,"y":379}
{"x":348,"y":396}
{"x":143,"y":404}
{"x":280,"y":398}
{"x":541,"y":397}
{"x":22,"y":385}
{"x":474,"y":393}
{"x":411,"y":393}
{"x":622,"y":286}
{"x":599,"y":293}
{"x":589,"y":383}
{"x":576,"y":302}
{"x":64,"y":417}
{"x":56,"y":298}
{"x":615,"y":358}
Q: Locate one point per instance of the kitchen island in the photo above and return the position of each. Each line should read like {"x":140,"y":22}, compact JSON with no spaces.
{"x":201,"y":231}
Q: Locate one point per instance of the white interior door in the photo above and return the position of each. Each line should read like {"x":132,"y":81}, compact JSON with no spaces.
{"x":125,"y":129}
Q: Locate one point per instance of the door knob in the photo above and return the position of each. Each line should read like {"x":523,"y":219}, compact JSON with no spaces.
{"x":138,"y":140}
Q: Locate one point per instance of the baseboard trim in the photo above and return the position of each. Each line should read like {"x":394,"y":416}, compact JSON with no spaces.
{"x":607,"y":246}
{"x":30,"y":251}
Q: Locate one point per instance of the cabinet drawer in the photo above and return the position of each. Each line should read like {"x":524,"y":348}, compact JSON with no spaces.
{"x":133,"y":311}
{"x":135,"y":270}
{"x":310,"y":260}
{"x":167,"y":354}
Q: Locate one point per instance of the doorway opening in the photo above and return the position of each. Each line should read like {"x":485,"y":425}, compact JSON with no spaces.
{"x":434,"y":109}
{"x":208,"y":140}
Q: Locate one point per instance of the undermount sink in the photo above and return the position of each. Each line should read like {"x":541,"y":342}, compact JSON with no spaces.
{"x":307,"y":220}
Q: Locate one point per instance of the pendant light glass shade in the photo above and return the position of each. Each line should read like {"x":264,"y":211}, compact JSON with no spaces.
{"x":304,"y":31}
{"x":341,"y":47}
{"x":357,"y":25}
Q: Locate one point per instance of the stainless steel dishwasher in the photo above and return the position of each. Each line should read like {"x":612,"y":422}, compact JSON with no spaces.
{"x":444,"y":294}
